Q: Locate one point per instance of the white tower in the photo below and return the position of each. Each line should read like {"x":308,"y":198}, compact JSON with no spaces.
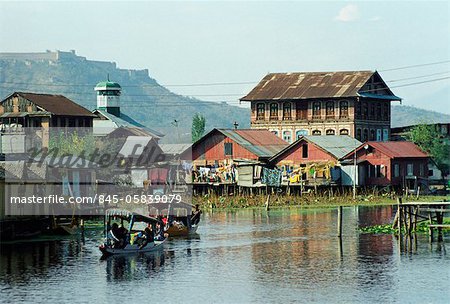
{"x":108,"y":97}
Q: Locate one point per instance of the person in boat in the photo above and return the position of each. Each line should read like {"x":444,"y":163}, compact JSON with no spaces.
{"x":159,"y":235}
{"x":148,"y":236}
{"x":123,"y":235}
{"x":115,"y":236}
{"x":195,"y":217}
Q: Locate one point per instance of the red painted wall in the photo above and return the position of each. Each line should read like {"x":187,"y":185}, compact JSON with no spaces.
{"x":375,"y":157}
{"x":213,"y":148}
{"x":294,"y":155}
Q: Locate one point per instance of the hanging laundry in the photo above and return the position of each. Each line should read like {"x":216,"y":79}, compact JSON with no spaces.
{"x":271,"y":177}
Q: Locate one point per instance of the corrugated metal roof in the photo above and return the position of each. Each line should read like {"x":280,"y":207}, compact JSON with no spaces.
{"x":134,"y":145}
{"x":174,"y":149}
{"x":290,"y":86}
{"x":127,"y":122}
{"x":337,"y":145}
{"x":260,"y":142}
{"x":398,"y":149}
{"x":55,"y":104}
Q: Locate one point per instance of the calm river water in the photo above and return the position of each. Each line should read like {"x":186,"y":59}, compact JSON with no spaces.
{"x":288,"y":255}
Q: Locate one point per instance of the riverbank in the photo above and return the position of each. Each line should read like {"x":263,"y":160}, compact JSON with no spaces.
{"x":306,"y":201}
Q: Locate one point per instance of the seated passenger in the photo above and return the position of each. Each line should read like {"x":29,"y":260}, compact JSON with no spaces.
{"x":195,"y":217}
{"x":147,"y":236}
{"x":159,"y":235}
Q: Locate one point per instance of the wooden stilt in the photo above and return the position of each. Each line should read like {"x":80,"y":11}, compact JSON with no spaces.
{"x":339,"y":221}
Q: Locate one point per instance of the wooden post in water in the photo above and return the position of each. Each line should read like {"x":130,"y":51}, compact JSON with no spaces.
{"x":339,"y":222}
{"x":399,"y":217}
{"x":430,"y":229}
{"x":267,"y":202}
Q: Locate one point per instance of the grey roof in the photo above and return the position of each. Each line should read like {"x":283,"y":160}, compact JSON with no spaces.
{"x":337,"y":145}
{"x":260,"y":142}
{"x":127,"y":122}
{"x":174,"y":149}
{"x":134,"y":145}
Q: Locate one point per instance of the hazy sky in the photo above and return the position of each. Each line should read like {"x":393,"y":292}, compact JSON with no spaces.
{"x":216,"y":42}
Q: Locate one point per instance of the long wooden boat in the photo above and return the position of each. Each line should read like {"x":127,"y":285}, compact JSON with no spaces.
{"x":178,"y":216}
{"x":129,"y":247}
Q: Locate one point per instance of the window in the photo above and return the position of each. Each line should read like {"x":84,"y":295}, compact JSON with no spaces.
{"x":421,"y":170}
{"x":305,"y":151}
{"x":344,"y":132}
{"x":329,"y":132}
{"x":365,"y":135}
{"x":372,"y":111}
{"x":300,"y":133}
{"x":228,"y":148}
{"x":372,"y":134}
{"x":275,"y":132}
{"x":365,"y":111}
{"x":409,"y":169}
{"x":378,"y":111}
{"x":316,"y":132}
{"x":260,"y":111}
{"x":287,"y":136}
{"x":343,"y":109}
{"x":379,"y":135}
{"x":302,"y":110}
{"x":386,"y":112}
{"x":273,"y":111}
{"x":316,"y":109}
{"x":385,"y":134}
{"x":396,"y":170}
{"x":287,"y":111}
{"x":358,"y":134}
{"x":358,"y":110}
{"x":330,"y":109}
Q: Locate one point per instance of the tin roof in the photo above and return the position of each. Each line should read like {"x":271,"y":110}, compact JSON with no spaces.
{"x":127,"y":122}
{"x":336,"y":145}
{"x":55,"y":104}
{"x":260,"y":142}
{"x":397,"y":149}
{"x":174,"y":149}
{"x":303,"y":85}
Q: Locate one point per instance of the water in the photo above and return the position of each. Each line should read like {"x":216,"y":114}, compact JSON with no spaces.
{"x":245,"y":256}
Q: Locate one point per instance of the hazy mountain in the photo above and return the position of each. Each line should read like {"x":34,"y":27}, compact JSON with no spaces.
{"x":407,"y":115}
{"x":142,"y":97}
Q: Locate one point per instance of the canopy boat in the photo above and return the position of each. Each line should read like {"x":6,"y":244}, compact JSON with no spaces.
{"x":131,"y":240}
{"x":177,"y":217}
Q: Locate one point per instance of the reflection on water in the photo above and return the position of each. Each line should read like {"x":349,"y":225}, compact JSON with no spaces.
{"x":244,"y":256}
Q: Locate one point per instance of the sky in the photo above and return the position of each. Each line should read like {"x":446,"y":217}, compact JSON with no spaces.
{"x":237,"y":43}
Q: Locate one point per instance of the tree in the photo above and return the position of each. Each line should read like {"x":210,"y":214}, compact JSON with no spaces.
{"x":198,"y":126}
{"x":428,"y":138}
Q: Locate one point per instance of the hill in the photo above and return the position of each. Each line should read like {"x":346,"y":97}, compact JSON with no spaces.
{"x":407,"y":115}
{"x":142,"y":97}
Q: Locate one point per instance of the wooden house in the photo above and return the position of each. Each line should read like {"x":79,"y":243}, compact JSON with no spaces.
{"x":355,"y":103}
{"x":23,"y":114}
{"x":393,"y":163}
{"x":217,"y":154}
{"x":313,"y":160}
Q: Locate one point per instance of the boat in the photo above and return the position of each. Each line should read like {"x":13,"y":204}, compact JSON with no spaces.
{"x":130,"y":245}
{"x":177,"y":218}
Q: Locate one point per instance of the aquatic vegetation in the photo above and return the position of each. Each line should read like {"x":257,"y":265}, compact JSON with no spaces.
{"x":422,"y":227}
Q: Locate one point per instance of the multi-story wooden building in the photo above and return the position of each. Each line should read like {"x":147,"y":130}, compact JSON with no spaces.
{"x":323,"y":103}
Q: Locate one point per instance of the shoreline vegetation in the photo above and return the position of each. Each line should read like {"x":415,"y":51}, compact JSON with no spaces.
{"x":227,"y":202}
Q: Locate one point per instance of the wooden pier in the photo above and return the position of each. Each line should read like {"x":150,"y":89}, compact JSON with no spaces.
{"x":409,"y":214}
